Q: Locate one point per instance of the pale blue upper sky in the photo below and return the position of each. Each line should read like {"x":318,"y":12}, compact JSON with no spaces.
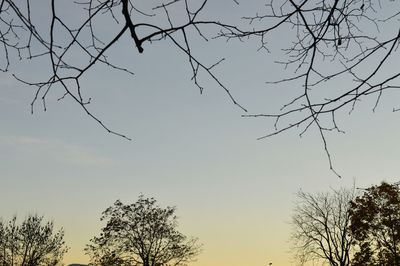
{"x":189,"y":150}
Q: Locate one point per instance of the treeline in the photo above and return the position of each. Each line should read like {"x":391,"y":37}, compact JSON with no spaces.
{"x":141,"y":233}
{"x":357,"y":227}
{"x":343,"y":227}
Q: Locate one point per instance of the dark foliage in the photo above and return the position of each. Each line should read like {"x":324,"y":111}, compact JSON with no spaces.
{"x":32,"y":243}
{"x":141,"y":234}
{"x":375,"y":225}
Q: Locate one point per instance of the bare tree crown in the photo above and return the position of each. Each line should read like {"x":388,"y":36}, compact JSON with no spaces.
{"x":335,"y":53}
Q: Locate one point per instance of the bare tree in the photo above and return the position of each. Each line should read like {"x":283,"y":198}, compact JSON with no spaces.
{"x":321,"y":227}
{"x":339,"y":53}
{"x":356,"y":38}
{"x":33,"y":243}
{"x":143,"y":23}
{"x":141,"y":234}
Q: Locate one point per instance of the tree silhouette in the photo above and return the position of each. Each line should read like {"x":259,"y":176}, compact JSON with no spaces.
{"x":375,"y":225}
{"x":141,"y":234}
{"x":320,"y":227}
{"x":19,"y":34}
{"x":335,"y":53}
{"x":338,"y":53}
{"x":33,"y":243}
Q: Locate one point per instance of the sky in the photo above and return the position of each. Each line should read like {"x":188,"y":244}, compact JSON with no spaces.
{"x":189,"y":150}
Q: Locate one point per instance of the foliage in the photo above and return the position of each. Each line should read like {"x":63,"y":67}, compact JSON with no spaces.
{"x":141,"y":234}
{"x":320,"y":227}
{"x":375,"y":225}
{"x":32,"y":243}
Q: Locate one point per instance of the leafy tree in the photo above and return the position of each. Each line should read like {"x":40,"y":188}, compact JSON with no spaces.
{"x":32,"y":243}
{"x":320,"y":227}
{"x":375,"y":225}
{"x":141,"y":234}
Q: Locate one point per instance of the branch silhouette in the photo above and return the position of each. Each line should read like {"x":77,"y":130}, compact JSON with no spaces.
{"x":356,"y":38}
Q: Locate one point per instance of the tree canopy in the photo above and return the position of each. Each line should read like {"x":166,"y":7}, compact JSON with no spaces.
{"x":142,"y":234}
{"x":375,"y":225}
{"x":341,"y":228}
{"x":321,"y":227}
{"x":32,"y":243}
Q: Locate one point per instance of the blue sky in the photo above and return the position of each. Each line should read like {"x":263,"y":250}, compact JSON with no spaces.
{"x":192,"y":151}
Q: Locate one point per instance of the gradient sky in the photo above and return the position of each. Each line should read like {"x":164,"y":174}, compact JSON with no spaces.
{"x":192,"y":151}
